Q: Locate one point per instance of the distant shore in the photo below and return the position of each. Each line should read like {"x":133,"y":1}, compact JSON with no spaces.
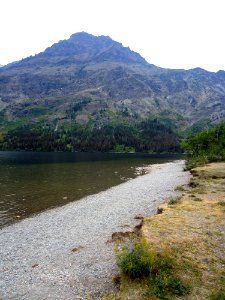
{"x":65,"y":253}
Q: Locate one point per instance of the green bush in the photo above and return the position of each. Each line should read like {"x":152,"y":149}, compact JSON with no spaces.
{"x":220,"y":295}
{"x":137,"y":261}
{"x":194,"y":162}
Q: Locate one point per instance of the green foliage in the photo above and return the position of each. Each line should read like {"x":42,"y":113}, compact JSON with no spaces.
{"x":197,"y":127}
{"x":77,"y":107}
{"x":206,"y":146}
{"x":220,"y":295}
{"x":170,"y":120}
{"x":148,"y":135}
{"x":164,"y":285}
{"x":122,"y":149}
{"x":193,"y":162}
{"x":158,"y":136}
{"x":138,"y":260}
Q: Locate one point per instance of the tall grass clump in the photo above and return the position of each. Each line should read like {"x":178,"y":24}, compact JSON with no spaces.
{"x":138,"y":260}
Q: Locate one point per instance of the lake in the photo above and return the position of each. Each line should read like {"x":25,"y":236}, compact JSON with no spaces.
{"x":31,"y":182}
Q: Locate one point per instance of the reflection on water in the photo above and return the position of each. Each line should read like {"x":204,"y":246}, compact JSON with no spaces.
{"x":31,"y":182}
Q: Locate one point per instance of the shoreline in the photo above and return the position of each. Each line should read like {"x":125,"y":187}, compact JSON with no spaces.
{"x":194,"y":218}
{"x":63,"y":253}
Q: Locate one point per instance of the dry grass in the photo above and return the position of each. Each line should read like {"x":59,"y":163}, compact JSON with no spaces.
{"x":194,"y":232}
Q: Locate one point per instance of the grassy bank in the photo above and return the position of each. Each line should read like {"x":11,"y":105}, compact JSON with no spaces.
{"x":180,"y":254}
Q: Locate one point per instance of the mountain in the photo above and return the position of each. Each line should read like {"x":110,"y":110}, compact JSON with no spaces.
{"x":95,"y":82}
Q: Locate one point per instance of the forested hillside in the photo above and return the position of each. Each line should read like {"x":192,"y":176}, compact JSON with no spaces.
{"x":91,"y":93}
{"x":146,"y":136}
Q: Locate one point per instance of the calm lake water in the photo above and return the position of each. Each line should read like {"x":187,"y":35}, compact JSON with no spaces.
{"x":31,"y":182}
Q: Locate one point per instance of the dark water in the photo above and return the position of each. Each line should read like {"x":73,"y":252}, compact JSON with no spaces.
{"x":31,"y":182}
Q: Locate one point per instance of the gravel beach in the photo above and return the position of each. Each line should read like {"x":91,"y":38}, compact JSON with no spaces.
{"x":63,"y":253}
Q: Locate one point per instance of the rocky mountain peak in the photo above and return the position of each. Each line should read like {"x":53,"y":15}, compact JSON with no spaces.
{"x":83,"y":48}
{"x":84,"y":36}
{"x":94,"y":78}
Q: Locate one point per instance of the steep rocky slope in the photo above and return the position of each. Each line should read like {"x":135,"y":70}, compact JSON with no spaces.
{"x":95,"y":79}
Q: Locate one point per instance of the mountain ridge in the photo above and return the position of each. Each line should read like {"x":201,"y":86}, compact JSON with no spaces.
{"x":94,"y":80}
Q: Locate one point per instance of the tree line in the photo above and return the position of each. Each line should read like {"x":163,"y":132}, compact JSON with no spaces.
{"x":206,"y":146}
{"x":145,"y":136}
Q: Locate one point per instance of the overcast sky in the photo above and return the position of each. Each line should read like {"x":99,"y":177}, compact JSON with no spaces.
{"x":168,"y":33}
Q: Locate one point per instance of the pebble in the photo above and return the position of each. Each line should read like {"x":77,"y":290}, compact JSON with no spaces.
{"x":63,"y":253}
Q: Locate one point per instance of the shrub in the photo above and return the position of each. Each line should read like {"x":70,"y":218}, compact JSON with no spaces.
{"x":138,"y":260}
{"x":220,"y":295}
{"x":174,"y":201}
